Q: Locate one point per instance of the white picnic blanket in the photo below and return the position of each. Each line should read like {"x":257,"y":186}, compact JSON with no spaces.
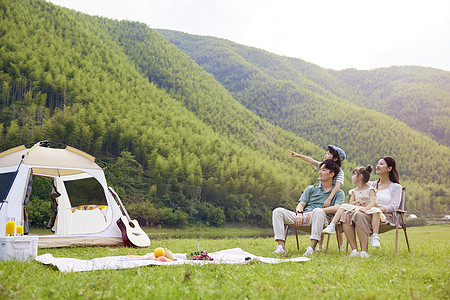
{"x":229,"y":256}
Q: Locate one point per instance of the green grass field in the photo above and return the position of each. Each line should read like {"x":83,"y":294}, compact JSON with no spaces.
{"x":421,"y":274}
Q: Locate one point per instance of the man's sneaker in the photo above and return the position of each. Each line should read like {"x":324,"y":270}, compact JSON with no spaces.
{"x":354,"y":253}
{"x":363,"y":254}
{"x":280,"y":250}
{"x":375,"y":241}
{"x":309,"y":251}
{"x":329,"y":230}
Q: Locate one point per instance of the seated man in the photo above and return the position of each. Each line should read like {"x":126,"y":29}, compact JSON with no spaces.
{"x":310,"y":210}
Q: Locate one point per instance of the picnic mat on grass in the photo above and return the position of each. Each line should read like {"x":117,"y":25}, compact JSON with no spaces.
{"x":229,"y":256}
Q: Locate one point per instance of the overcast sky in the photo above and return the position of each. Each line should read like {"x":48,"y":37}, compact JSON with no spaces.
{"x":336,"y":34}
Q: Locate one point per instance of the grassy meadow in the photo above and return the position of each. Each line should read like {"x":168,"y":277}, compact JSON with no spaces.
{"x":421,"y":274}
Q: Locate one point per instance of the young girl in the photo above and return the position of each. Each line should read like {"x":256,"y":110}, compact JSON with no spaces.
{"x":363,"y":198}
{"x":333,"y":153}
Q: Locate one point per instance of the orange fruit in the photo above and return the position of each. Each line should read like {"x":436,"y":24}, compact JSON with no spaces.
{"x":159,"y":252}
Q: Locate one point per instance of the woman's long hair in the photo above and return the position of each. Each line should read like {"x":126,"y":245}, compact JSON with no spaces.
{"x":393,"y":174}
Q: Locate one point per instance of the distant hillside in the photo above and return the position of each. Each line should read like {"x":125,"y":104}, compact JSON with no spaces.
{"x":418,"y":96}
{"x":295,"y":95}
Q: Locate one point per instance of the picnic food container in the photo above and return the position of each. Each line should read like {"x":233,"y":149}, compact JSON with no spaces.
{"x":18,"y":247}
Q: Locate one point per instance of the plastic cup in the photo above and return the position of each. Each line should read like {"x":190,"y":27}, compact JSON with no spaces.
{"x":19,"y":228}
{"x":10,"y":227}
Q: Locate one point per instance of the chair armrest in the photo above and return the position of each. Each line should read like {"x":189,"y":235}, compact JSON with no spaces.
{"x":400,"y":211}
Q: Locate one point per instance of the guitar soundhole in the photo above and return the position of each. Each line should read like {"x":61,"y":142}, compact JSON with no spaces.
{"x":131,"y":224}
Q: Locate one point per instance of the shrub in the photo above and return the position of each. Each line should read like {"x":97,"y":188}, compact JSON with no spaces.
{"x":420,"y":221}
{"x":147,"y":214}
{"x":143,"y":211}
{"x":237,"y":207}
{"x":177,"y":218}
{"x":39,"y":212}
{"x":207,"y":213}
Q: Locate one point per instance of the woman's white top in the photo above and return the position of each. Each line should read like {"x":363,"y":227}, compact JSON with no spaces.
{"x":384,"y":197}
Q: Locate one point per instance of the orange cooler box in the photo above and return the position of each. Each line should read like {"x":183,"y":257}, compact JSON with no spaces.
{"x":18,"y":247}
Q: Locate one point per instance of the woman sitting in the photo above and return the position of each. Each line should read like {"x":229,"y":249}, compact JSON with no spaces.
{"x":389,"y":193}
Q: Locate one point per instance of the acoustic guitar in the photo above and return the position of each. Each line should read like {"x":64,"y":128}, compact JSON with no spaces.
{"x":132,"y":233}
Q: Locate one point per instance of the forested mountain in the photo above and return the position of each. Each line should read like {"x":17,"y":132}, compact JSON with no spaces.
{"x":297,"y":103}
{"x":181,"y":144}
{"x":418,"y":96}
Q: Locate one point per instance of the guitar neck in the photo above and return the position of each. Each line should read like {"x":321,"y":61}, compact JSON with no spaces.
{"x":113,"y":192}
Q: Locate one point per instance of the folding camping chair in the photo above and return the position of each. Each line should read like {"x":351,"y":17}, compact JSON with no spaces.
{"x":307,"y":229}
{"x":385,"y":227}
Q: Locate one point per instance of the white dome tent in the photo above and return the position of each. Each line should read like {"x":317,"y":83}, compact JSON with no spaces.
{"x":85,"y":220}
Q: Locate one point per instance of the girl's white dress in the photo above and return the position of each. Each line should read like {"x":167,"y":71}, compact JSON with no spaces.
{"x":363,"y":196}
